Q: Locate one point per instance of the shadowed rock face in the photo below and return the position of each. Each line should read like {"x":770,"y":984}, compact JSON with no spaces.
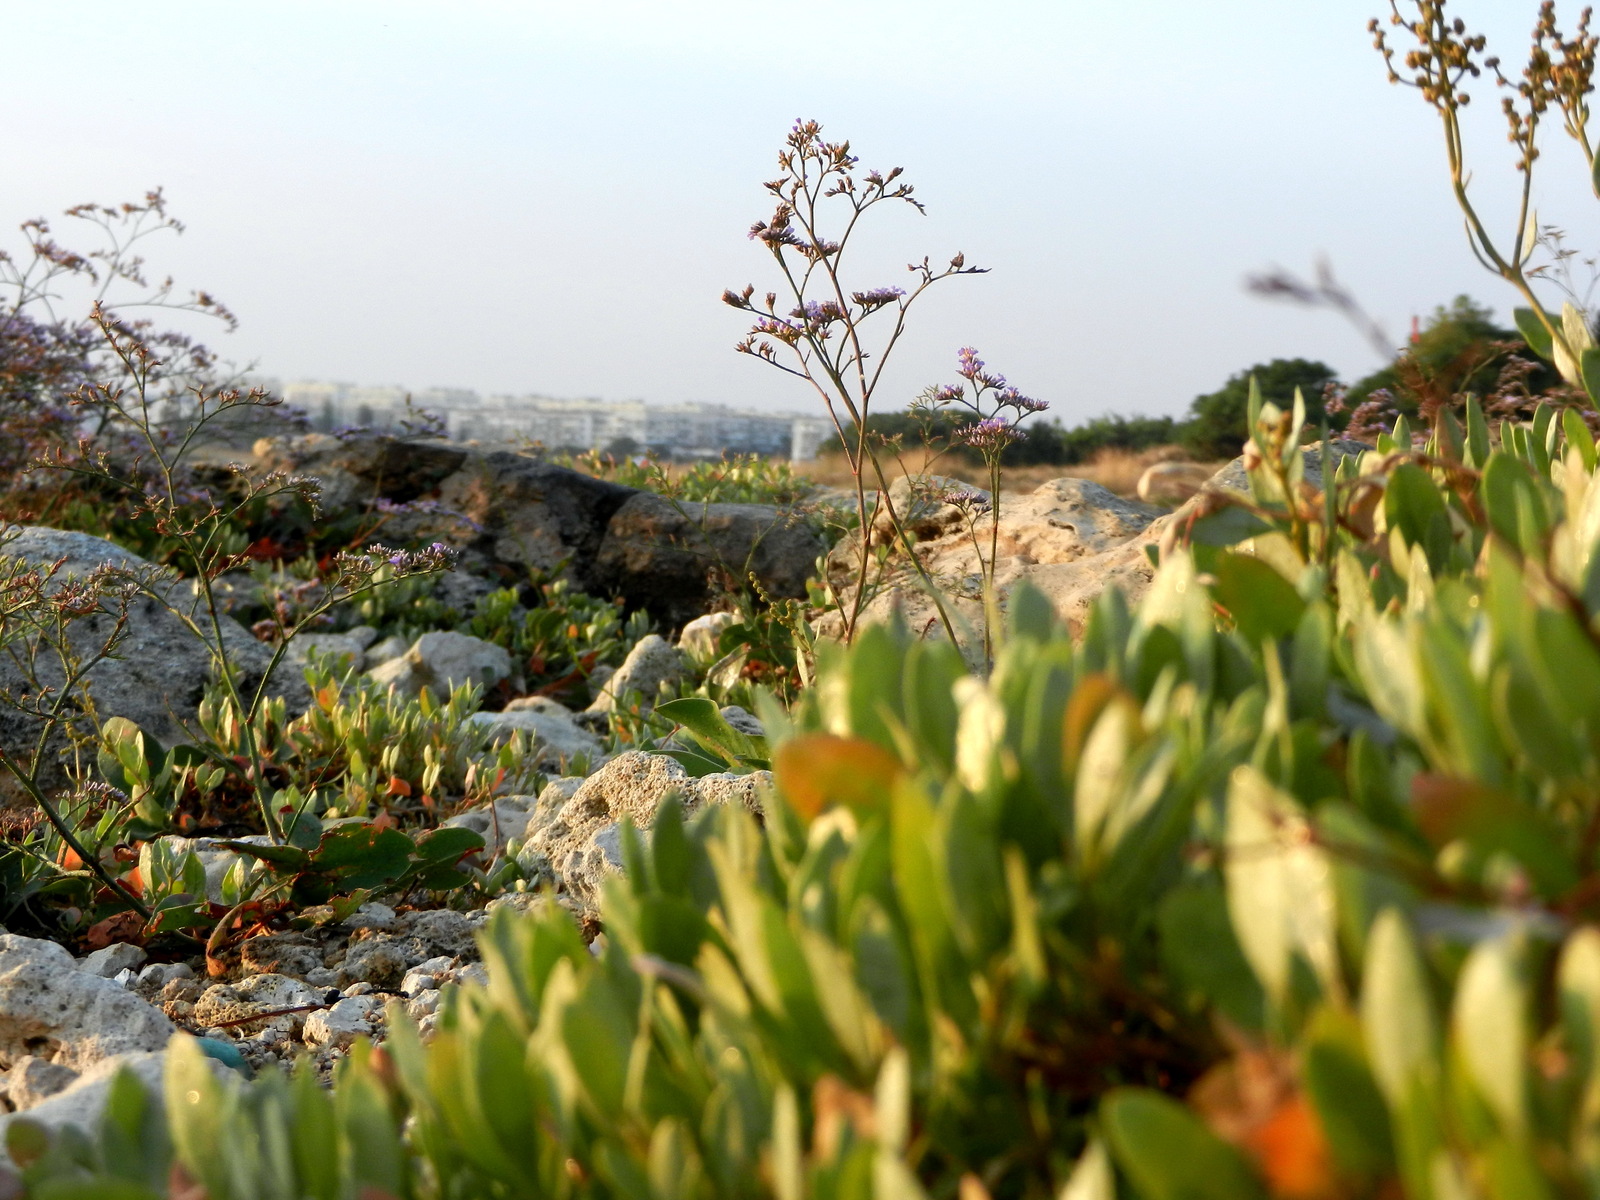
{"x":510,"y":512}
{"x":658,"y":554}
{"x":161,"y":669}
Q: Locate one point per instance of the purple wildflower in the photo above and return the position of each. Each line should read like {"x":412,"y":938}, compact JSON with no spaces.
{"x":990,"y":435}
{"x":877,"y":297}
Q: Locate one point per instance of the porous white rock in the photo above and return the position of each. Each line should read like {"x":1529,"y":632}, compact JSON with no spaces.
{"x":340,"y":1024}
{"x":109,"y":961}
{"x":743,"y":720}
{"x":84,"y":1100}
{"x":700,"y":638}
{"x":49,"y":1008}
{"x":33,"y":1080}
{"x":442,"y":661}
{"x":581,"y":844}
{"x":652,"y":664}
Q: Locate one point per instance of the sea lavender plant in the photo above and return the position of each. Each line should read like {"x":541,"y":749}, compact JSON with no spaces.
{"x":996,"y":410}
{"x":817,"y":328}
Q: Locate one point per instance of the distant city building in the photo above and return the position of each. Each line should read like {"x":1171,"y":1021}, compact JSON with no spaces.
{"x":625,"y":426}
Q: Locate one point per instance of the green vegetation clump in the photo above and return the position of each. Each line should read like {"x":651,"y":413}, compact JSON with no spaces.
{"x":1282,"y":882}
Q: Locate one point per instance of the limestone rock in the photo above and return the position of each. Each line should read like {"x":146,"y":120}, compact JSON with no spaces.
{"x":699,"y":640}
{"x":503,"y":820}
{"x":110,"y":960}
{"x":919,"y":503}
{"x":50,"y":1009}
{"x":651,"y":665}
{"x":580,"y":845}
{"x":83,"y":1101}
{"x":557,"y":739}
{"x":442,"y":661}
{"x":33,"y":1080}
{"x":341,"y":1024}
{"x":743,"y":721}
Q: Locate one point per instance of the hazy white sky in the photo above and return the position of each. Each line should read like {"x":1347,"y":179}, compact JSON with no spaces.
{"x":550,"y":197}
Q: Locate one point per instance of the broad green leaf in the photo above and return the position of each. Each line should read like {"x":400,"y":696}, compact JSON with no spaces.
{"x":1397,"y":1014}
{"x":1477,"y":434}
{"x":1168,"y":1154}
{"x":1489,"y":1023}
{"x":1280,"y":894}
{"x":1533,"y":332}
{"x":1349,"y":1106}
{"x":1199,"y":949}
{"x":704,"y":720}
{"x":1264,"y":604}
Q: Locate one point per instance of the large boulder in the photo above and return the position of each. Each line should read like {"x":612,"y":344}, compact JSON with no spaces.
{"x":160,"y":670}
{"x":1070,"y":538}
{"x":509,"y":513}
{"x":672,"y":556}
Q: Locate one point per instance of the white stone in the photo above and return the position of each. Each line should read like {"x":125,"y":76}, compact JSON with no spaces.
{"x":699,"y":638}
{"x":339,"y":1025}
{"x":111,"y":960}
{"x":743,"y":720}
{"x":33,"y":1080}
{"x":423,"y":1004}
{"x":387,"y":650}
{"x":417,"y":981}
{"x":651,"y":665}
{"x":371,"y":915}
{"x":453,"y":659}
{"x":557,"y":740}
{"x":499,"y":822}
{"x":347,"y":652}
{"x":49,"y":1007}
{"x":158,"y":975}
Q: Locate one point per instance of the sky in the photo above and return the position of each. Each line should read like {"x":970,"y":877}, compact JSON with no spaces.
{"x":551,"y":197}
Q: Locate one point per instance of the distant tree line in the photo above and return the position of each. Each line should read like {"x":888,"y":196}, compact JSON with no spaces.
{"x":1460,"y":348}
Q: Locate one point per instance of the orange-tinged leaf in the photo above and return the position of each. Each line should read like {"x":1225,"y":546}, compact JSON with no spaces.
{"x":1089,"y":699}
{"x":819,"y":770}
{"x":1292,"y":1152}
{"x":398,"y":787}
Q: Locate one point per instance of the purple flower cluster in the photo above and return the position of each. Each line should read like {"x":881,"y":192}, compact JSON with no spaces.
{"x":966,"y":499}
{"x":819,"y":312}
{"x":990,"y":435}
{"x":437,"y":557}
{"x":877,"y":297}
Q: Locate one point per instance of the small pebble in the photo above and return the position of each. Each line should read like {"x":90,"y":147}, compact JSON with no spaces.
{"x":363,"y":988}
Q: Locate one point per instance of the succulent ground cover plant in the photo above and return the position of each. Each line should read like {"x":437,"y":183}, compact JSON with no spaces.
{"x":1279,"y":884}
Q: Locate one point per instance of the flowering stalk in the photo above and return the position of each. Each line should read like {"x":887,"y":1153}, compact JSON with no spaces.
{"x":1559,"y":75}
{"x":998,"y":409}
{"x":822,"y":323}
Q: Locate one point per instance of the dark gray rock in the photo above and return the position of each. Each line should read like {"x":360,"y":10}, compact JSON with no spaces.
{"x":671,"y":557}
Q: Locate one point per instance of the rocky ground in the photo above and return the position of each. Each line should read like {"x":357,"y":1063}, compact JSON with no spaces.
{"x":66,"y":1023}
